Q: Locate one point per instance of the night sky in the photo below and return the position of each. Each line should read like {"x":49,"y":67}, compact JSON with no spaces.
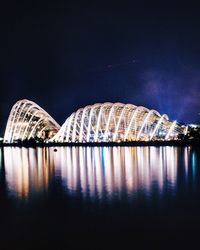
{"x":64,"y":55}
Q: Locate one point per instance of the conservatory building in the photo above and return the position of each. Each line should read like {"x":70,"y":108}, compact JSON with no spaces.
{"x":101,"y":122}
{"x":28,"y":121}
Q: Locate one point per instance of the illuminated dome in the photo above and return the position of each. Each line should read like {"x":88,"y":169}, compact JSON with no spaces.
{"x":105,"y":122}
{"x":101,"y":122}
{"x":27,"y":120}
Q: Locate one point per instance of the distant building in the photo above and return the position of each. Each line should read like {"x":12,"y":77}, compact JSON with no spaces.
{"x":101,"y":122}
{"x":194,"y":125}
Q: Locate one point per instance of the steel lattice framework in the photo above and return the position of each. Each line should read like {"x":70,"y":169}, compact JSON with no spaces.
{"x":105,"y":122}
{"x":101,"y":122}
{"x":28,"y":120}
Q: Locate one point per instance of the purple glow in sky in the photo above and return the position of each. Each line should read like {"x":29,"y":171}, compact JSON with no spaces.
{"x":65,"y":55}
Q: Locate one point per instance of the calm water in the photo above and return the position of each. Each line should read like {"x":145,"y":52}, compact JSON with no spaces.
{"x":99,"y":198}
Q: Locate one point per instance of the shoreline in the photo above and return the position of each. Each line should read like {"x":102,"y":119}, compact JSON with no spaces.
{"x":103,"y":144}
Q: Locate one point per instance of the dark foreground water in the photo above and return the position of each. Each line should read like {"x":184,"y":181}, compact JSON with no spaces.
{"x":100,"y":198}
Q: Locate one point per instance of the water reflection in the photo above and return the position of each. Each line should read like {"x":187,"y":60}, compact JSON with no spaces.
{"x":27,"y":170}
{"x":112,"y":171}
{"x":99,"y":172}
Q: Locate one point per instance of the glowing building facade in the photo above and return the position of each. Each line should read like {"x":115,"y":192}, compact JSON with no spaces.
{"x":105,"y":122}
{"x":28,"y":121}
{"x":101,"y":122}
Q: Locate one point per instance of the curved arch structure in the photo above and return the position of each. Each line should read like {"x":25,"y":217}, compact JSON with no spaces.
{"x":101,"y":122}
{"x":27,"y":120}
{"x":105,"y":122}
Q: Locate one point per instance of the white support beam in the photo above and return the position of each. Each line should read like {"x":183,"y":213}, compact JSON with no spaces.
{"x":131,"y":121}
{"x":29,"y":122}
{"x":16,"y":123}
{"x":89,"y":124}
{"x":109,"y":117}
{"x":34,"y":127}
{"x":143,"y":124}
{"x":75,"y":124}
{"x":119,"y":122}
{"x":82,"y":123}
{"x":157,"y":126}
{"x":69,"y":126}
{"x":170,"y":130}
{"x":98,"y":122}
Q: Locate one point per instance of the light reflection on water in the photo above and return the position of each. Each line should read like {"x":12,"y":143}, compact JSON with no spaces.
{"x":27,"y":170}
{"x":97,"y":172}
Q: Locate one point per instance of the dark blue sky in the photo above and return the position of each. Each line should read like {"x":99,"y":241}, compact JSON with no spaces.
{"x":64,"y":55}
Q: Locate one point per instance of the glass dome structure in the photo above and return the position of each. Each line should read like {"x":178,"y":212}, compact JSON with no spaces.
{"x":115,"y":122}
{"x":28,"y":121}
{"x":101,"y":122}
